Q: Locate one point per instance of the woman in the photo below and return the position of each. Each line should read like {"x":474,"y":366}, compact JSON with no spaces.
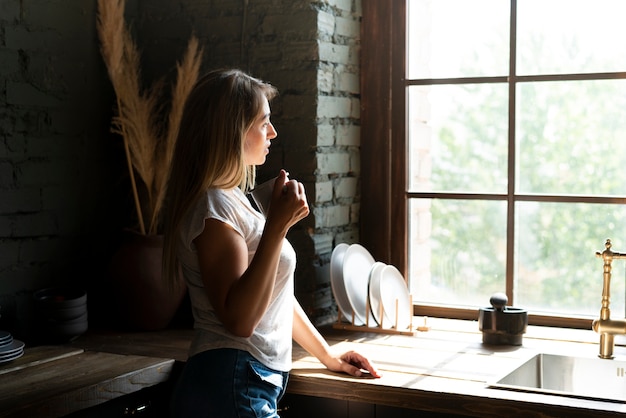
{"x":237,"y":264}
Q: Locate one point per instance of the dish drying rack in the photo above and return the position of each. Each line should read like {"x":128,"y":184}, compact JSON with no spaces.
{"x":351,"y":326}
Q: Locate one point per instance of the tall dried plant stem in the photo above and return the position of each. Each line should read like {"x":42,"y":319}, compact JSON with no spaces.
{"x":113,"y":36}
{"x":148,"y":142}
{"x":187,"y":74}
{"x":131,"y":172}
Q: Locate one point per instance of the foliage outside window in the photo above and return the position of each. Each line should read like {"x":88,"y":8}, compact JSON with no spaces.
{"x":515,"y":153}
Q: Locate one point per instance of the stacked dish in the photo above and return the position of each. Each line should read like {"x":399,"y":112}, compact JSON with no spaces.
{"x":10,"y":349}
{"x":368,"y":292}
{"x":62,"y":313}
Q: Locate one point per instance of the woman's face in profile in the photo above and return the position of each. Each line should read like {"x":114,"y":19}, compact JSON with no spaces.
{"x":257,"y":142}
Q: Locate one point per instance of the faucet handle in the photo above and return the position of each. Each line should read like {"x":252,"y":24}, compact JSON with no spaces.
{"x":608,"y":254}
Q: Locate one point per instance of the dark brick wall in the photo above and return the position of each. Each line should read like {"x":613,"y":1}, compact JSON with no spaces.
{"x":63,"y":185}
{"x":59,"y":168}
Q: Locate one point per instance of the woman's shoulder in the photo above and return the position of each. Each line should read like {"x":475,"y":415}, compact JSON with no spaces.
{"x":231,"y":206}
{"x":223,"y":201}
{"x":213,"y":203}
{"x":220,"y":197}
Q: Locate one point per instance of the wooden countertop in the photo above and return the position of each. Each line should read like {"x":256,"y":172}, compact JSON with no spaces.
{"x":445,"y":369}
{"x":53,"y":381}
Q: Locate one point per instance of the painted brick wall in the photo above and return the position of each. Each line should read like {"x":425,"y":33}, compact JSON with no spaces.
{"x":62,"y":179}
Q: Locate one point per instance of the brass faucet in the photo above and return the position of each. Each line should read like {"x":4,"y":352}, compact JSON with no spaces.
{"x":605,"y":326}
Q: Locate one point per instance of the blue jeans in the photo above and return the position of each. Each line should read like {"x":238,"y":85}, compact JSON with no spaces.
{"x":225,"y":383}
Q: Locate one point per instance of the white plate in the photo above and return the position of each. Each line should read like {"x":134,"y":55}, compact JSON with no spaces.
{"x":5,"y":338}
{"x":392,"y":288}
{"x":336,"y":280}
{"x":374,"y":292}
{"x":12,"y":357}
{"x":357,"y":264}
{"x":9,"y":350}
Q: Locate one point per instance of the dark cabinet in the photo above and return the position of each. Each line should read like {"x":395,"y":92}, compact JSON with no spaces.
{"x":301,"y":406}
{"x":151,"y":402}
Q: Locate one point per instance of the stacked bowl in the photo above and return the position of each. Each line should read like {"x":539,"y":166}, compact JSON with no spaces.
{"x":61,"y":313}
{"x":10,"y":348}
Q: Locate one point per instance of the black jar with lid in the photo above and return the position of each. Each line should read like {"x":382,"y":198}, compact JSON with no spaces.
{"x":501,"y":324}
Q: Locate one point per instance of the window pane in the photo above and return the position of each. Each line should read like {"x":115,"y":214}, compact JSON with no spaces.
{"x":461,"y":132}
{"x":457,"y":38}
{"x":571,"y":137}
{"x":556,"y":267}
{"x":568,"y":140}
{"x":570,"y":36}
{"x":457,"y":250}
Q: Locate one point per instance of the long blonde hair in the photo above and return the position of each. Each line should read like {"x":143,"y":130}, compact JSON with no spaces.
{"x":218,"y":113}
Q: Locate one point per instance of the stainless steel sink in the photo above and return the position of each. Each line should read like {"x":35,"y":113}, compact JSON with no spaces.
{"x":590,"y":378}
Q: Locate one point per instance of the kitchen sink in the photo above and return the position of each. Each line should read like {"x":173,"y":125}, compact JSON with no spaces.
{"x":580,"y":377}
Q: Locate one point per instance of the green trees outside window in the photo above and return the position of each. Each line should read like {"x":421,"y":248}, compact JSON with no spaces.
{"x":516,"y":116}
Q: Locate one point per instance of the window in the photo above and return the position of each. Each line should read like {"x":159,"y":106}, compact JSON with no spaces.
{"x":494,"y":151}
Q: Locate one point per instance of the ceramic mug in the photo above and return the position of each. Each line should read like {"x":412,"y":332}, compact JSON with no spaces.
{"x":262,"y":195}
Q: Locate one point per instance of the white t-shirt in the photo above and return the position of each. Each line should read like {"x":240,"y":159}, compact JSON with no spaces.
{"x":271,"y":341}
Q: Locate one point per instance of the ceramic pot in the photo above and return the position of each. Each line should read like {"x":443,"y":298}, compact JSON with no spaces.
{"x":141,"y":298}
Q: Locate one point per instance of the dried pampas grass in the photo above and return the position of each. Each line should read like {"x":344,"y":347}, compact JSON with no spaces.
{"x":148,"y":142}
